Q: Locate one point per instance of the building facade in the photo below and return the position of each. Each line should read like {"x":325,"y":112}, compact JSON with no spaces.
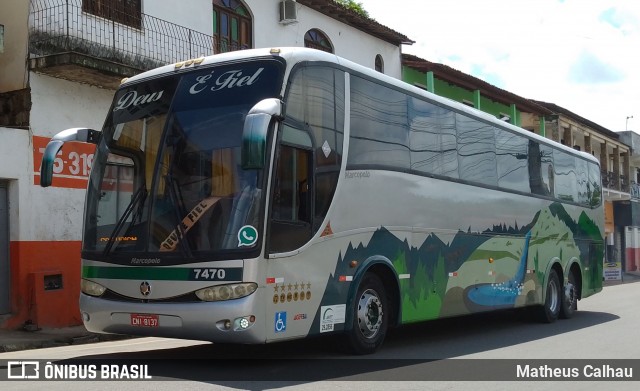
{"x":60,"y":70}
{"x":627,"y":212}
{"x":614,"y":154}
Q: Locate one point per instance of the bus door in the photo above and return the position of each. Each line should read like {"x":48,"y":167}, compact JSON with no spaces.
{"x":291,"y":211}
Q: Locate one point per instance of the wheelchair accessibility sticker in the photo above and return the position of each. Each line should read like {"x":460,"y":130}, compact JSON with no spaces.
{"x":280,"y":322}
{"x":247,"y":236}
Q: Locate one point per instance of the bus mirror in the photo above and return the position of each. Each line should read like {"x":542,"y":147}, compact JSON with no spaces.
{"x":55,"y":145}
{"x":254,"y":134}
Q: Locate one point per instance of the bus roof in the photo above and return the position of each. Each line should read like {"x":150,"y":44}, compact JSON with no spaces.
{"x":293,"y":55}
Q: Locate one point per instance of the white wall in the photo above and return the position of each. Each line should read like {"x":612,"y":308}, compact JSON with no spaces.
{"x":348,"y":42}
{"x":14,"y":15}
{"x":36,"y":213}
{"x":55,"y":213}
{"x":197,"y":15}
{"x":193,"y":14}
{"x":59,"y":104}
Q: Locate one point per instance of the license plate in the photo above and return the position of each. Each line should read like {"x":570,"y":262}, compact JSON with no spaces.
{"x":145,"y":320}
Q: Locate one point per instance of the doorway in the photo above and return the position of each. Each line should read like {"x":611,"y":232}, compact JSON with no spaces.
{"x":5,"y":278}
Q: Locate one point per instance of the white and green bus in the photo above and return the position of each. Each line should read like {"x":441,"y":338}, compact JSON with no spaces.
{"x":273,"y":194}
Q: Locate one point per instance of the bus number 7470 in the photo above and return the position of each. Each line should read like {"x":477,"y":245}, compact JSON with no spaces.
{"x":209,"y":274}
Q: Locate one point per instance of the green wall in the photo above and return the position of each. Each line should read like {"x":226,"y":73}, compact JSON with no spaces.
{"x":442,"y":88}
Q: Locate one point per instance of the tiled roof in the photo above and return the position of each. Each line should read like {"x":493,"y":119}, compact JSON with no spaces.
{"x":561,"y":110}
{"x":461,"y":79}
{"x":352,"y":18}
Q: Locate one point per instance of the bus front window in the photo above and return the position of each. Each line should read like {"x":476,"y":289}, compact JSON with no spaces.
{"x":202,"y":192}
{"x":167,"y":175}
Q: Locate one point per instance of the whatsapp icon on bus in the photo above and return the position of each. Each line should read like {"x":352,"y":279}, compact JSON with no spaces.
{"x":247,"y":236}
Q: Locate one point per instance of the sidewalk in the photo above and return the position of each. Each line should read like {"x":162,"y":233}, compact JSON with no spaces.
{"x":15,"y":340}
{"x":627,"y":277}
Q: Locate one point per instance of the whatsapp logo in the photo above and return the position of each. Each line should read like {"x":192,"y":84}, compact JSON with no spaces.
{"x":247,"y":236}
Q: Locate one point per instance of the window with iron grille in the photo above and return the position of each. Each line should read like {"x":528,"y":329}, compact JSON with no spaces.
{"x":128,"y":12}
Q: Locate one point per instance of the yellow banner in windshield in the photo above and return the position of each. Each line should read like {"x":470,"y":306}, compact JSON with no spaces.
{"x":170,"y":243}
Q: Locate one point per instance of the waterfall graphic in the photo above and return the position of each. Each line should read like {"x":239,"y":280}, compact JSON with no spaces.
{"x":499,"y":295}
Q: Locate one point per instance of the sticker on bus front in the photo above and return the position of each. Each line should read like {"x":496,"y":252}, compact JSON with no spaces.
{"x":280,"y":322}
{"x":330,"y":316}
{"x":247,"y":236}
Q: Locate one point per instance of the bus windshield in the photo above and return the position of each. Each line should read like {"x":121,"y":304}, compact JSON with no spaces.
{"x":167,"y":176}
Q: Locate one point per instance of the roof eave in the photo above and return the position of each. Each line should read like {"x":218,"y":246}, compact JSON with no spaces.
{"x":360,"y":22}
{"x":470,"y":82}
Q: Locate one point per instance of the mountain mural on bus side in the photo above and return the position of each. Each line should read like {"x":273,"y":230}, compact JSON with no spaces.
{"x":501,"y":267}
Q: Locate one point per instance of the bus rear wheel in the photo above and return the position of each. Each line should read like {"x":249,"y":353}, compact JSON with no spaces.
{"x":570,"y":297}
{"x":370,"y":321}
{"x":550,"y":310}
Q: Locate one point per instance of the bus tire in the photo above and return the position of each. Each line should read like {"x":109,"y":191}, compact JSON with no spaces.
{"x":569,"y":297}
{"x":370,"y":316}
{"x":550,"y":310}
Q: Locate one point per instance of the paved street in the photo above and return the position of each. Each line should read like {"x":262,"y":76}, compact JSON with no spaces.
{"x":605,"y":327}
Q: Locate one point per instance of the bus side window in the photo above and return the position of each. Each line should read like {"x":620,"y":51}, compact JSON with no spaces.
{"x":540,"y":166}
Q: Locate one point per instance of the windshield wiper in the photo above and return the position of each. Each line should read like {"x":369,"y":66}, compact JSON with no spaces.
{"x":137,"y":198}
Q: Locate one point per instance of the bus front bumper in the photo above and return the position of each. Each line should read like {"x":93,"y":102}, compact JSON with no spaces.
{"x":207,"y":321}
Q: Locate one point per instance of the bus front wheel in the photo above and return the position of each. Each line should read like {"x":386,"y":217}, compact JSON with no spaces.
{"x":370,"y":319}
{"x":549,"y":311}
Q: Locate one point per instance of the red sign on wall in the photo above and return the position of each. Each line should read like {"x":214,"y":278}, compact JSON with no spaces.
{"x":71,"y":167}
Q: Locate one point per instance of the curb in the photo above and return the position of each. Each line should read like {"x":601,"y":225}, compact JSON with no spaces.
{"x":59,"y":341}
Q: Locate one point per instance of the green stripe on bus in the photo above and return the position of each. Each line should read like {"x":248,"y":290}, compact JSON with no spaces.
{"x":136,"y":273}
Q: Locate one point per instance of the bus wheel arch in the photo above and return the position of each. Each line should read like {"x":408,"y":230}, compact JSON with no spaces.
{"x":571,"y":290}
{"x":372,"y":307}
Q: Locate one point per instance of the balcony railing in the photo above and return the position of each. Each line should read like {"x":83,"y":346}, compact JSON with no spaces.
{"x":615,"y":182}
{"x":608,"y":180}
{"x":624,"y":183}
{"x":634,"y":190}
{"x":61,"y":26}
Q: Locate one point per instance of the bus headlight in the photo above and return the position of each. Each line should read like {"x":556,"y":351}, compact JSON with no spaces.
{"x":226,"y":292}
{"x":91,"y":288}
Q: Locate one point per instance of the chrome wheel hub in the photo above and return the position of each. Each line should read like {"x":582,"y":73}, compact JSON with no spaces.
{"x":370,"y":313}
